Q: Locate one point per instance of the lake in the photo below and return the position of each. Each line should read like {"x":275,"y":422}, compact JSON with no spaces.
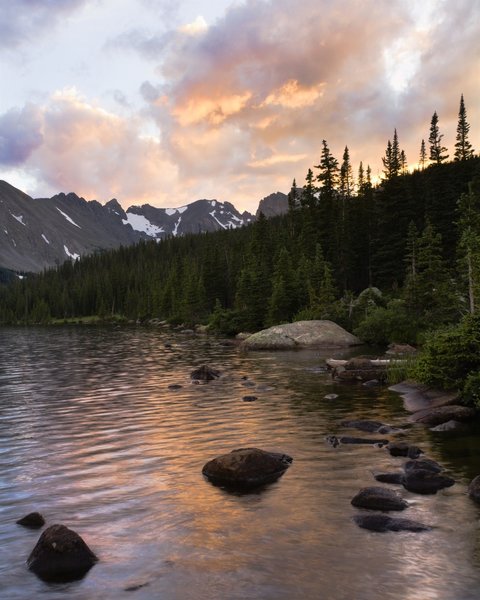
{"x":92,"y":437}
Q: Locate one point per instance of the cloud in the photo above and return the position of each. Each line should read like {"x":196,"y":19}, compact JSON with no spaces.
{"x":20,"y":134}
{"x":92,"y":152}
{"x":22,"y":20}
{"x":258,"y":90}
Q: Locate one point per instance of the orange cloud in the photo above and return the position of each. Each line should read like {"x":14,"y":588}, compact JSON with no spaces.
{"x":293,"y":95}
{"x":214,"y":110}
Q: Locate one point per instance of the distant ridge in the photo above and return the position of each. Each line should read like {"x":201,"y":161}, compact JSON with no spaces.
{"x":36,"y":234}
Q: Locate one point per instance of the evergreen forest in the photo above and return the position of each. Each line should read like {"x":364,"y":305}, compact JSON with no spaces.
{"x":389,"y":261}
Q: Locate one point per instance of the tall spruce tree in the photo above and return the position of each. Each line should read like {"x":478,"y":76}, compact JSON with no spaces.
{"x":328,"y":210}
{"x":469,"y":244}
{"x":437,"y":151}
{"x":346,"y":176}
{"x":423,"y":156}
{"x":391,"y":160}
{"x":463,"y":148}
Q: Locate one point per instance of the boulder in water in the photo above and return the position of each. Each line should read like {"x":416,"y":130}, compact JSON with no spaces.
{"x":379,"y":498}
{"x":396,"y":478}
{"x":33,"y":520}
{"x":404,"y":449}
{"x":60,"y":555}
{"x":424,"y":481}
{"x":363,"y":425}
{"x":441,"y":414}
{"x":246,"y":468}
{"x":384,"y":523}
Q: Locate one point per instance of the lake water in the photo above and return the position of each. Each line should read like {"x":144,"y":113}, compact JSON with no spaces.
{"x":92,"y":437}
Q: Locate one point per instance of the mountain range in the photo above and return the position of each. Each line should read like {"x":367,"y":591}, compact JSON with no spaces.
{"x":39,"y":233}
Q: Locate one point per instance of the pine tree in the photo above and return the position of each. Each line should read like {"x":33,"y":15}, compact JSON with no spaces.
{"x":329,"y":172}
{"x":346,"y":175}
{"x":437,"y":151}
{"x":469,"y":244}
{"x":391,"y":160}
{"x":423,"y":155}
{"x":403,"y":162}
{"x":463,"y":148}
{"x":308,"y":197}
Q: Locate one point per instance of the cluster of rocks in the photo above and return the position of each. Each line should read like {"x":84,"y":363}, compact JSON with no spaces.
{"x":436,"y":409}
{"x":418,"y":476}
{"x":60,"y":554}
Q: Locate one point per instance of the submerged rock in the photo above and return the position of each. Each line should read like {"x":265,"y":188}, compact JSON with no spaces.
{"x":249,"y":398}
{"x":448,"y":426}
{"x":364,"y":425}
{"x":425,"y":464}
{"x":33,"y":520}
{"x":331,"y":396}
{"x":204,"y":373}
{"x":396,"y":478}
{"x":345,"y":439}
{"x":383,"y":523}
{"x":246,"y":468}
{"x":379,"y":498}
{"x":60,"y":555}
{"x":404,"y":449}
{"x":301,"y":334}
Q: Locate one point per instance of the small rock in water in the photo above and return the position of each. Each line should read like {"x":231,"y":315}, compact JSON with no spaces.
{"x":246,"y":468}
{"x":204,"y":373}
{"x":249,"y":398}
{"x":60,"y":555}
{"x":331,"y":396}
{"x":404,"y":449}
{"x":33,"y":520}
{"x":248,"y":383}
{"x":175,"y":386}
{"x":379,"y":498}
{"x":371,"y":383}
{"x":384,"y":523}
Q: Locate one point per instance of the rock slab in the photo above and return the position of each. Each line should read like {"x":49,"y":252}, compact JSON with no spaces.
{"x":246,"y":468}
{"x":33,"y":520}
{"x":60,"y":555}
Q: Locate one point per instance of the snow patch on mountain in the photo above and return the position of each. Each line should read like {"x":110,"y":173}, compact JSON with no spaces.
{"x":71,"y":255}
{"x":19,"y":219}
{"x":45,"y":239}
{"x":175,"y":229}
{"x":171,"y":211}
{"x":141,"y":223}
{"x":67,"y":217}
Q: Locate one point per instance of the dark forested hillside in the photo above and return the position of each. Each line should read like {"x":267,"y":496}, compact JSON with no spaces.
{"x":312,"y":262}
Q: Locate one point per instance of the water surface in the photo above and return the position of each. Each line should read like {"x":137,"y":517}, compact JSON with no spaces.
{"x":92,"y":437}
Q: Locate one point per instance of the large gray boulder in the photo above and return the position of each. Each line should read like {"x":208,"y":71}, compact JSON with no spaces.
{"x":301,"y":334}
{"x":246,"y":468}
{"x":60,"y":555}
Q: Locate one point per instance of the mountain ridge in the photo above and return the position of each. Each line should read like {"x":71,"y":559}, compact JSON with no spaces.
{"x":39,"y":233}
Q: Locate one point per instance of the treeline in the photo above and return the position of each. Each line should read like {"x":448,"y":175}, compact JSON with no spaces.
{"x":310,"y":263}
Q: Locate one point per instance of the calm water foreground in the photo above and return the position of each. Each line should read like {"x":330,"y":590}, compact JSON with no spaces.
{"x":91,"y":436}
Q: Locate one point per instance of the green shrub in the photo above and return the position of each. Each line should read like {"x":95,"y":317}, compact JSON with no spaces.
{"x":388,"y":324}
{"x":450,"y":355}
{"x":471,"y":390}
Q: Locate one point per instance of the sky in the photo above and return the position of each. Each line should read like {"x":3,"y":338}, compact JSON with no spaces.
{"x":169,"y":101}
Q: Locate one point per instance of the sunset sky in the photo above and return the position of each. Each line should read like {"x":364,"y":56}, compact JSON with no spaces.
{"x":169,"y":101}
